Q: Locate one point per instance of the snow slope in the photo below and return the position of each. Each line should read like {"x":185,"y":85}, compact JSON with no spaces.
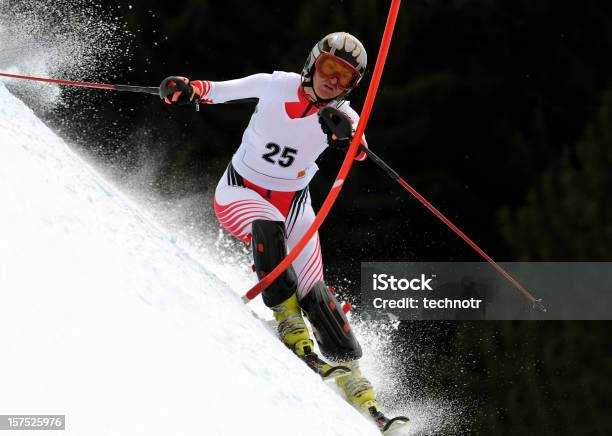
{"x":104,"y":319}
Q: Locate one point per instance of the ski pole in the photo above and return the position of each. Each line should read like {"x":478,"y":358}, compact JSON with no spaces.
{"x":537,"y":303}
{"x":153,"y":90}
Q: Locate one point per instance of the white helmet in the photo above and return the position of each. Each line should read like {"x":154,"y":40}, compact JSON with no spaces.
{"x":340,"y":44}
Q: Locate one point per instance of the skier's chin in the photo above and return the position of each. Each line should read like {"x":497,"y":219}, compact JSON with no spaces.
{"x":328,"y":93}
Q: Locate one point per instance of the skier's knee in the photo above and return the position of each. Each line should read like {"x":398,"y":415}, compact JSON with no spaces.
{"x":330,"y":325}
{"x":269,"y":249}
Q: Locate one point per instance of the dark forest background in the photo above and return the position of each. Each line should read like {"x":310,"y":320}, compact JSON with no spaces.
{"x":498,"y":112}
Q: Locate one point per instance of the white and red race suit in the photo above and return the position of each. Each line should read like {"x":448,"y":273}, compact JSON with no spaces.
{"x":269,"y":173}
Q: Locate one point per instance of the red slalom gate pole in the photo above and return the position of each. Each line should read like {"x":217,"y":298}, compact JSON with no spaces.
{"x":346,"y":164}
{"x":537,"y":303}
{"x":153,"y":90}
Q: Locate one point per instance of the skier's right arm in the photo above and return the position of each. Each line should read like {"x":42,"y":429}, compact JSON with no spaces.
{"x":221,"y":92}
{"x":207,"y":92}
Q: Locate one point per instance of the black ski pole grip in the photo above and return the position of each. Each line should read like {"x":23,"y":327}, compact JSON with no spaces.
{"x":336,"y":122}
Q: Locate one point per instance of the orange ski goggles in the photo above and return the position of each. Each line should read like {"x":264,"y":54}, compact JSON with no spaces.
{"x":332,"y":66}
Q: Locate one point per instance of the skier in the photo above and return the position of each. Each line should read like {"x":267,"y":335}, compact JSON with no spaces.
{"x":263,"y":198}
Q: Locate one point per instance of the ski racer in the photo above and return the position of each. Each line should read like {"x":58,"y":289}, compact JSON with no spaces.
{"x":263,"y":198}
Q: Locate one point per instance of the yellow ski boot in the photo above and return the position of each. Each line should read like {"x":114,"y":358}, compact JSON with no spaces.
{"x":360,"y":393}
{"x":358,"y":390}
{"x":291,"y":326}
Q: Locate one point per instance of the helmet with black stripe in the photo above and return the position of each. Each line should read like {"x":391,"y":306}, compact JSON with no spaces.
{"x":343,"y":46}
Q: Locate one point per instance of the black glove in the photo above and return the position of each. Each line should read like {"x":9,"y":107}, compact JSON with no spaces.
{"x":337,"y":126}
{"x":177,"y":90}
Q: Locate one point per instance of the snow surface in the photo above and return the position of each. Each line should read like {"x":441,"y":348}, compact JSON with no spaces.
{"x":105,"y":319}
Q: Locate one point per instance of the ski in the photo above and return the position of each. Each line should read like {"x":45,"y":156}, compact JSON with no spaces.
{"x":325,"y":370}
{"x":388,"y":426}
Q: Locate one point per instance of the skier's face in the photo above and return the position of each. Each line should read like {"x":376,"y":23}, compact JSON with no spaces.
{"x":326,"y":87}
